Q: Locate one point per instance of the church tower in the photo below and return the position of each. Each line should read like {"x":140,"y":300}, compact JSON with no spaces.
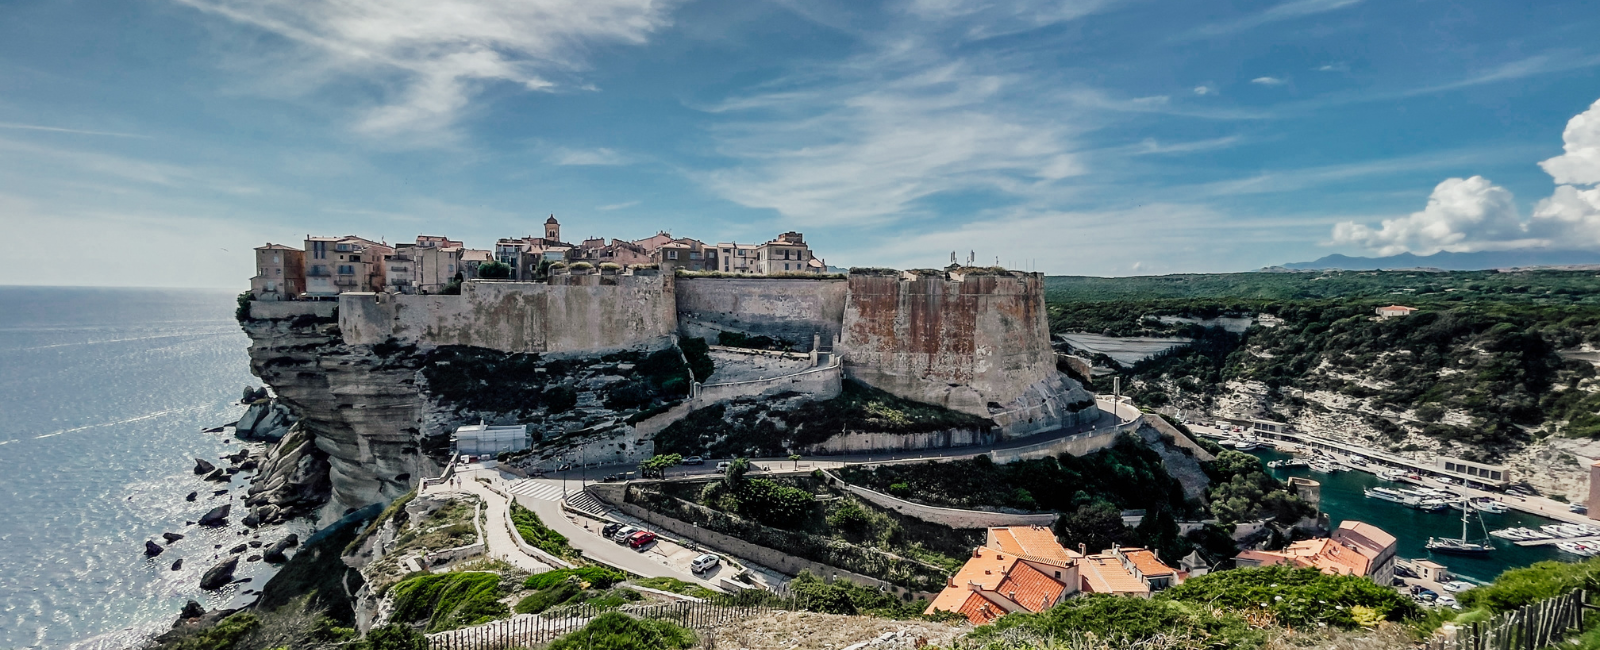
{"x":552,"y":229}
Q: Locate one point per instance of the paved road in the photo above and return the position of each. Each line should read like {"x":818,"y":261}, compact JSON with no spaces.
{"x":592,"y":545}
{"x":500,"y":545}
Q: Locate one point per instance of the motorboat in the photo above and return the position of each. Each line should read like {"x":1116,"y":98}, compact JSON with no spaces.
{"x":1487,"y":505}
{"x":1391,"y":475}
{"x":1431,"y":505}
{"x":1385,"y":494}
{"x":1462,"y":546}
{"x":1295,"y":462}
{"x":1579,"y":549}
{"x":1246,"y":445}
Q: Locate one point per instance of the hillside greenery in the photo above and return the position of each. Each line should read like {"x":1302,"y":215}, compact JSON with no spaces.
{"x":446,"y":601}
{"x":614,"y":631}
{"x":535,"y":533}
{"x":1536,"y":287}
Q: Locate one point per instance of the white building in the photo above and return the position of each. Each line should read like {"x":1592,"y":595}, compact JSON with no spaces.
{"x":483,"y":440}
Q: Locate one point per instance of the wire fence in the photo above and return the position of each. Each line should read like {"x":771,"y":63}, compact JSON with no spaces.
{"x":1534,"y":626}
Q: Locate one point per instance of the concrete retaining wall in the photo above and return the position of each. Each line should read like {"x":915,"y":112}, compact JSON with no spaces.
{"x":1078,"y":445}
{"x":783,"y":308}
{"x":823,"y":382}
{"x":952,"y":517}
{"x":857,"y":442}
{"x":276,"y":310}
{"x":586,"y":313}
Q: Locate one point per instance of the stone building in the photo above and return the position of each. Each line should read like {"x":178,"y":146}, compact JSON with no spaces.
{"x":1356,"y":548}
{"x":336,"y":265}
{"x":788,"y":253}
{"x":996,"y":580}
{"x":424,"y":267}
{"x":280,"y":272}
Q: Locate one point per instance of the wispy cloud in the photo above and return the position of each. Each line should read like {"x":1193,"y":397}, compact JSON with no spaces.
{"x":1150,"y":146}
{"x":1527,"y":67}
{"x":1339,"y":66}
{"x":617,"y":206}
{"x":989,"y":18}
{"x":1268,"y":81}
{"x":432,"y":57}
{"x":1204,"y":90}
{"x":1280,"y":12}
{"x":57,"y":129}
{"x":589,"y":157}
{"x":1292,"y":180}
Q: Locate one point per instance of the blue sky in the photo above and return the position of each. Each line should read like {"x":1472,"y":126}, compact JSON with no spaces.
{"x":1097,"y":137}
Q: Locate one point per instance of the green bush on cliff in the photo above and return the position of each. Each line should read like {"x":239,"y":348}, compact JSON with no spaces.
{"x":1525,"y":586}
{"x":449,"y":600}
{"x":614,"y":631}
{"x":535,"y":533}
{"x":1295,"y":597}
{"x":242,"y":312}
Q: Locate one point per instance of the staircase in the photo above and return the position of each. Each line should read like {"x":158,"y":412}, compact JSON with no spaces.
{"x":585,"y":502}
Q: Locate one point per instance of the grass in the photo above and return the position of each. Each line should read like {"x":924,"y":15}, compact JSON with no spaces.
{"x":674,"y":585}
{"x":614,"y":631}
{"x":449,"y":600}
{"x":534,"y":532}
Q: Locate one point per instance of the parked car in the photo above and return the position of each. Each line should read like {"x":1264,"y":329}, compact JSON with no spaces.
{"x":1427,"y":595}
{"x":1456,"y":585}
{"x":723,"y":466}
{"x":610,"y":529}
{"x":622,"y":534}
{"x":694,"y":460}
{"x":1579,"y":508}
{"x":1403,"y":570}
{"x":1447,"y":601}
{"x":639,"y":539}
{"x":704,"y":563}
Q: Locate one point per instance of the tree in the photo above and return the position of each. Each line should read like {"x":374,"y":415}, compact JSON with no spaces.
{"x":1097,"y":526}
{"x":796,"y":459}
{"x":734,"y":475}
{"x":494,"y":270}
{"x":656,"y":466}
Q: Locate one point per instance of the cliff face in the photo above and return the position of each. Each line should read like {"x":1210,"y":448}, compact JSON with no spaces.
{"x":360,"y":410}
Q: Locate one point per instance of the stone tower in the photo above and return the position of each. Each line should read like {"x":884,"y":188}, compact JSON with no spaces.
{"x":552,"y":229}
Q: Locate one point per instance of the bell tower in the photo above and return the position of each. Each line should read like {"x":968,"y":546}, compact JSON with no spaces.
{"x":552,"y":229}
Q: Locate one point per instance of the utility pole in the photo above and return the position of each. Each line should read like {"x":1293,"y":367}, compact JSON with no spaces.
{"x":1116,"y":398}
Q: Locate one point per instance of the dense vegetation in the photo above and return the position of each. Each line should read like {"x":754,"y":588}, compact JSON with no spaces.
{"x":767,"y":428}
{"x":613,"y":631}
{"x":1242,"y":490}
{"x":535,"y":533}
{"x":460,"y":377}
{"x":580,"y":586}
{"x":447,"y":601}
{"x":1484,"y":346}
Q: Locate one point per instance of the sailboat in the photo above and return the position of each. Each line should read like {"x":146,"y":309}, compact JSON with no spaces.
{"x":1462,"y":546}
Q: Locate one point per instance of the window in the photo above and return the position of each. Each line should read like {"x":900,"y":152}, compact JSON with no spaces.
{"x":277,"y":258}
{"x":672,"y":255}
{"x":785,"y":267}
{"x":319,"y":249}
{"x":347,"y":269}
{"x":280,"y":272}
{"x":342,"y":247}
{"x":742,"y":252}
{"x":693,"y":255}
{"x":450,"y":268}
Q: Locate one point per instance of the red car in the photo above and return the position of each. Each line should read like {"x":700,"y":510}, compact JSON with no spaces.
{"x":639,"y":539}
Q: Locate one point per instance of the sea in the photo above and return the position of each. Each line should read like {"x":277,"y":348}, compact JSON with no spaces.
{"x":104,"y":395}
{"x":1343,"y":497}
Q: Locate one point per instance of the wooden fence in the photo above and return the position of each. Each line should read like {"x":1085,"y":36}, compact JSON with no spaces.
{"x":1534,"y":626}
{"x":527,"y":631}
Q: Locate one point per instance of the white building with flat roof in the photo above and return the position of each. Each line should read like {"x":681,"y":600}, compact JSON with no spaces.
{"x":484,"y":440}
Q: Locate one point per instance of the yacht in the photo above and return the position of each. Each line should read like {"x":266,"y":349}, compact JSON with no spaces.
{"x":1431,"y":505}
{"x":1322,"y":465}
{"x":1579,"y":549}
{"x":1463,"y":545}
{"x":1391,"y":475}
{"x":1386,"y":494}
{"x":1487,"y":505}
{"x":1246,"y":445}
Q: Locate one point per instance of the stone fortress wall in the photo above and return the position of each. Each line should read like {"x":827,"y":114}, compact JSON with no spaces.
{"x":791,"y":309}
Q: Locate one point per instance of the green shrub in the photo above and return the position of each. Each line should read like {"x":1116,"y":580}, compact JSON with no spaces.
{"x":494,"y":270}
{"x":598,"y":577}
{"x":1295,"y":597}
{"x":560,"y":593}
{"x":698,"y":352}
{"x":674,"y":585}
{"x":222,"y":636}
{"x":449,"y":600}
{"x":1123,"y":621}
{"x":614,"y":631}
{"x":394,"y":636}
{"x":535,"y":533}
{"x":1518,"y":587}
{"x":242,"y":312}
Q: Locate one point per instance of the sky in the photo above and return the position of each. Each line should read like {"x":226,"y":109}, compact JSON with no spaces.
{"x":155,"y":142}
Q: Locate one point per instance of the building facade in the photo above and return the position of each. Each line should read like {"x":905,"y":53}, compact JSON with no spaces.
{"x":336,"y":265}
{"x":280,"y":273}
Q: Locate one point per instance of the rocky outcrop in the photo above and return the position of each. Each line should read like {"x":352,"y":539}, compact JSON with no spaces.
{"x":266,"y":420}
{"x":152,"y":549}
{"x":201,"y":467}
{"x":216,"y":517}
{"x":171,"y":537}
{"x":220,"y":575}
{"x":275,"y":553}
{"x":294,"y":480}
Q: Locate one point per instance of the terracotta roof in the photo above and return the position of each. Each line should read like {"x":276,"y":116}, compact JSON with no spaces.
{"x":1104,"y":574}
{"x":1399,"y":307}
{"x":1362,"y":534}
{"x":1030,"y":588}
{"x":1324,"y":554}
{"x":1147,"y":563}
{"x":277,"y":247}
{"x":980,"y":610}
{"x":1032,"y":541}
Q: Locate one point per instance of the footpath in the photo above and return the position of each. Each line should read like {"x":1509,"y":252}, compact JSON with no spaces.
{"x":498,"y":542}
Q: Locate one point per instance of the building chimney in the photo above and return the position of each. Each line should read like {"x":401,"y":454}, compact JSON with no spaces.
{"x":1083,"y":549}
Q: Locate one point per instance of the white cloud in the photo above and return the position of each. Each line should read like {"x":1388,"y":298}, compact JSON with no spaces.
{"x":1580,"y":165}
{"x":57,"y":129}
{"x":1284,"y":11}
{"x":1462,"y":215}
{"x":1268,"y":81}
{"x":879,"y":134}
{"x":1474,"y":214}
{"x":601,"y":156}
{"x":431,"y":57}
{"x":618,"y":206}
{"x":986,"y":18}
{"x":1334,"y":67}
{"x":1204,"y":90}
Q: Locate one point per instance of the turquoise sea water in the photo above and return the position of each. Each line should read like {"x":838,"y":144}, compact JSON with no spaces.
{"x":103,"y":395}
{"x":1343,"y":498}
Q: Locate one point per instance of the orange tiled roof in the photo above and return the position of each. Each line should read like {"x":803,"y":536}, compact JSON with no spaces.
{"x":1030,"y":588}
{"x":1147,"y":563}
{"x":1372,"y":539}
{"x":1032,"y":541}
{"x":980,"y":610}
{"x":1324,"y":554}
{"x":1104,"y":574}
{"x":1398,"y":307}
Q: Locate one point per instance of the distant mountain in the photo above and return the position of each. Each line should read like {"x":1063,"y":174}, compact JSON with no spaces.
{"x":1452,"y":261}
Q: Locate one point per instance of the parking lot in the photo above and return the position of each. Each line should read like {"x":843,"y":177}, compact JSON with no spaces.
{"x":666,"y":551}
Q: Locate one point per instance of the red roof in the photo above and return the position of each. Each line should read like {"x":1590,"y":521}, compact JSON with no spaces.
{"x":1030,"y":588}
{"x":980,"y":610}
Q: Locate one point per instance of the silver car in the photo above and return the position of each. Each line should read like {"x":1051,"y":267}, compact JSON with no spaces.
{"x":704,"y":563}
{"x":622,"y":535}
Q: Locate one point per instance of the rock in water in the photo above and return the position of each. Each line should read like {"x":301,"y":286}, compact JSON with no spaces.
{"x":253,"y":558}
{"x":220,"y":575}
{"x":178,"y":565}
{"x":255,"y":543}
{"x":192,"y":609}
{"x":275,"y":554}
{"x":292,"y":540}
{"x":218,"y":475}
{"x":203,"y":467}
{"x":217,"y":517}
{"x":171,"y":537}
{"x":152,"y":549}
{"x":192,"y":496}
{"x":238,"y":549}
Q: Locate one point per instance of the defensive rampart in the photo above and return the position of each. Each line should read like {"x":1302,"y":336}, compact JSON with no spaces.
{"x":579,"y":313}
{"x":783,"y":308}
{"x":977,"y":343}
{"x":952,"y":517}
